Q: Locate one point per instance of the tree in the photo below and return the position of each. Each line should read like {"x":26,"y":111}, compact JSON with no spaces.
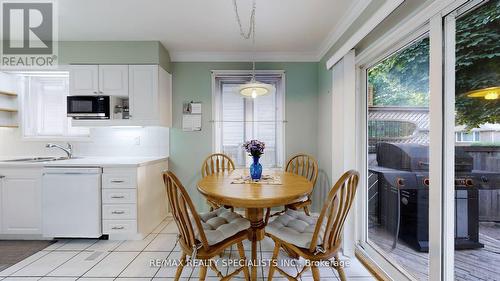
{"x":478,"y":64}
{"x":403,"y":78}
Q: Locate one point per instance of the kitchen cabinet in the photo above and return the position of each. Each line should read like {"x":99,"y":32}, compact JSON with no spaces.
{"x":149,"y":98}
{"x":83,"y":80}
{"x":113,"y":80}
{"x":108,"y":80}
{"x":21,"y":201}
{"x":150,"y":94}
{"x":133,"y":200}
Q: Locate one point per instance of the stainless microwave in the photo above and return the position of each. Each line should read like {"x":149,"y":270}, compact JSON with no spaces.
{"x":88,"y":107}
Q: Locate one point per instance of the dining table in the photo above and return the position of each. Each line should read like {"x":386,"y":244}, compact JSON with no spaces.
{"x":229,"y":189}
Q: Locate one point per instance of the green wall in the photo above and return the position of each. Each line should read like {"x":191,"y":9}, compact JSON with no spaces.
{"x":114,"y":52}
{"x":192,"y":82}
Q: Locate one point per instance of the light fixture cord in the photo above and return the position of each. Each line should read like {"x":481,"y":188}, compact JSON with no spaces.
{"x":251,"y":30}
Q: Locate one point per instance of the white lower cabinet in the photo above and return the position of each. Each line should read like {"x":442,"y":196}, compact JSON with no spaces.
{"x":127,"y":227}
{"x":20,"y":194}
{"x":133,"y":200}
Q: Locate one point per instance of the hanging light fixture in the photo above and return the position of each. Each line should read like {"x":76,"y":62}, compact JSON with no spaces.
{"x":253,"y":88}
{"x":492,"y":93}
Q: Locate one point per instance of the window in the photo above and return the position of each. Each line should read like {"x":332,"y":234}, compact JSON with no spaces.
{"x":467,"y":136}
{"x":241,"y":119}
{"x":398,"y":135}
{"x":390,"y":129}
{"x":44,"y":108}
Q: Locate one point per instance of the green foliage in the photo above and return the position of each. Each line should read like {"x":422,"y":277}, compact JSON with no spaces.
{"x":478,"y":64}
{"x":403,"y":78}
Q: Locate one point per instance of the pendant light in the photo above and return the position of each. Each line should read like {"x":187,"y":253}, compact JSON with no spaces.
{"x":254,"y":88}
{"x":492,"y":93}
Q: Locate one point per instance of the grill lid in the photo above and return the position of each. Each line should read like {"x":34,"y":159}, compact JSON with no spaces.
{"x":415,"y":157}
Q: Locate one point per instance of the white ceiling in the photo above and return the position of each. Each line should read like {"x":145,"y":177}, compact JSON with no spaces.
{"x":207,"y":29}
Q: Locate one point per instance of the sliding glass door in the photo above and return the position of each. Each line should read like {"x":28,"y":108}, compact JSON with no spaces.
{"x":398,"y":156}
{"x":473,"y":48}
{"x":431,"y":151}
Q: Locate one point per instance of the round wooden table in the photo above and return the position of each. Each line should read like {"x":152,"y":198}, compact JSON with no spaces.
{"x":254,"y":197}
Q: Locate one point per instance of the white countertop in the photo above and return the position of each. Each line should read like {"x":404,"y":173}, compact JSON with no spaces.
{"x":85,"y":162}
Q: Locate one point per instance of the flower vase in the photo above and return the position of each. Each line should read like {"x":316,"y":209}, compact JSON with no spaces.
{"x":256,"y":169}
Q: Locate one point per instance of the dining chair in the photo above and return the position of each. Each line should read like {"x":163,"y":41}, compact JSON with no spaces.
{"x":216,"y":163}
{"x":317,"y":239}
{"x":306,"y":166}
{"x":204,"y":236}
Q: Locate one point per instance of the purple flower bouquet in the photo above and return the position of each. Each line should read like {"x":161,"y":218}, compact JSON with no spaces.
{"x":255,"y":149}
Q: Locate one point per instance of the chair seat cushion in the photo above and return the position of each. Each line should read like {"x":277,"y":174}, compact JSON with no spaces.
{"x":295,"y":227}
{"x":221,"y":224}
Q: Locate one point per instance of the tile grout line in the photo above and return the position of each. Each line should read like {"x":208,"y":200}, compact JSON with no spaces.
{"x":79,"y":252}
{"x":48,"y":252}
{"x":109,"y":253}
{"x":170,"y":253}
{"x":140,"y":252}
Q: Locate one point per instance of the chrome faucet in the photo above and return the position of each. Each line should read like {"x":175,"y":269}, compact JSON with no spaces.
{"x":68,"y":150}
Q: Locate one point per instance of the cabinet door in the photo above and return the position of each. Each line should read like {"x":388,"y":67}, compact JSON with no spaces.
{"x":113,"y":80}
{"x":21,"y":204}
{"x":143,"y":92}
{"x":83,"y":80}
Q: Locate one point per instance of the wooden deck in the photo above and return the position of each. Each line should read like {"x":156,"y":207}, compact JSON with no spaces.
{"x":479,"y":264}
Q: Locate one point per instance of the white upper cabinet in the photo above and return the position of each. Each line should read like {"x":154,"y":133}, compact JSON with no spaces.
{"x":84,"y":80}
{"x":143,"y":92}
{"x":150,"y":93}
{"x":113,"y":80}
{"x":108,"y":80}
{"x":148,"y":89}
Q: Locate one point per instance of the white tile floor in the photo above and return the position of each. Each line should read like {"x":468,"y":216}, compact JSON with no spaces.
{"x":102,"y":260}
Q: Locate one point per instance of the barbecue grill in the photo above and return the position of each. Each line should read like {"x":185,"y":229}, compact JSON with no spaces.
{"x":401,"y":180}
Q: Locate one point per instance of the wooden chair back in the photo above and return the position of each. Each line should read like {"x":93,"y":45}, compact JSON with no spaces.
{"x":184,"y":213}
{"x":216,"y":163}
{"x":334,"y":212}
{"x":303,"y":165}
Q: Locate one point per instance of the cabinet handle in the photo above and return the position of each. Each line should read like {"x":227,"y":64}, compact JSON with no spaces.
{"x":95,"y":92}
{"x":117,"y":181}
{"x":118,"y":212}
{"x":100,"y":92}
{"x":117,"y":197}
{"x":117,"y":227}
{"x":1,"y":177}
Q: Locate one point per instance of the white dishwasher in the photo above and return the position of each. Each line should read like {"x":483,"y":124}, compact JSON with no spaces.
{"x":71,"y":202}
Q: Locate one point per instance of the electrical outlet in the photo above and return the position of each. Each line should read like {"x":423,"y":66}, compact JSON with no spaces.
{"x":137,"y":140}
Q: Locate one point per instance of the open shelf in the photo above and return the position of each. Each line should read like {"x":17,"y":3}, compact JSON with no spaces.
{"x":7,"y":93}
{"x":8,"y":109}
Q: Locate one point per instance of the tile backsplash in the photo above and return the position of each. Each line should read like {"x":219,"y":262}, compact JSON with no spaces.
{"x":109,"y":141}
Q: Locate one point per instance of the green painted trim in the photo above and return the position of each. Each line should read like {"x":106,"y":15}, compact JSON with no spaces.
{"x":114,"y":52}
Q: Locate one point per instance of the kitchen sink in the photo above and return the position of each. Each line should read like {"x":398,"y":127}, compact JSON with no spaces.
{"x":36,"y":159}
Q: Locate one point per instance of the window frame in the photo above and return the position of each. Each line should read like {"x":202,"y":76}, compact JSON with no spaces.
{"x":437,"y":18}
{"x":237,"y":76}
{"x":25,"y":110}
{"x":367,"y":246}
{"x":459,"y":137}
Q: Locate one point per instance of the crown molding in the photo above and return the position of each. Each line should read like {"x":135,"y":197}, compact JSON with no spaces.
{"x":242,"y":56}
{"x":345,"y":22}
{"x":352,"y":13}
{"x":384,"y":11}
